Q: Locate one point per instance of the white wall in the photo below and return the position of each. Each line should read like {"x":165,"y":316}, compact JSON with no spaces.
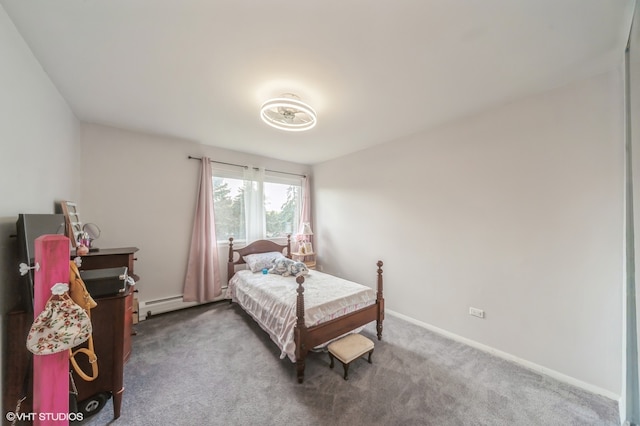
{"x":517,"y":211}
{"x":630,"y":404}
{"x":141,"y":189}
{"x":39,"y":144}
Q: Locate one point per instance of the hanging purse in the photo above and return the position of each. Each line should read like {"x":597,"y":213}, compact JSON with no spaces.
{"x":81,"y":296}
{"x":60,"y":326}
{"x":78,"y":290}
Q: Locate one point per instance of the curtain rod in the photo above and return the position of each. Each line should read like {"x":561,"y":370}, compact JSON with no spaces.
{"x":246,"y":167}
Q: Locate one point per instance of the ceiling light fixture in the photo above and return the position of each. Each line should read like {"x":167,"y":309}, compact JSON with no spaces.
{"x":288,"y":113}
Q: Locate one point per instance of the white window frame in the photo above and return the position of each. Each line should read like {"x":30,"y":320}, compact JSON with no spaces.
{"x":223,"y":171}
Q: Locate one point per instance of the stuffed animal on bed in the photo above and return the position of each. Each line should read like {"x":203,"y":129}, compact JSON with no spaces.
{"x":287,"y":267}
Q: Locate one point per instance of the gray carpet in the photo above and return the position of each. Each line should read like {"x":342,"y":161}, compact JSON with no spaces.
{"x":212,"y":365}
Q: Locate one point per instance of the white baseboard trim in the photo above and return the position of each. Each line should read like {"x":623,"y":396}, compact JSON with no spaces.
{"x":504,"y":355}
{"x":148,"y":308}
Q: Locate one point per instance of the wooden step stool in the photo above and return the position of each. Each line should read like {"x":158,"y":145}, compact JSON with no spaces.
{"x":349,"y":348}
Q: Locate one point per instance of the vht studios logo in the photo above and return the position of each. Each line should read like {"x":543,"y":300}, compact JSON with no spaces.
{"x":56,"y":417}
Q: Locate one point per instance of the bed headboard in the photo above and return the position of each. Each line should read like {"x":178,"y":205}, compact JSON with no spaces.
{"x":259,"y":246}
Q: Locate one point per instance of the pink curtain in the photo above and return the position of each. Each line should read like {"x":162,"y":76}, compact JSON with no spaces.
{"x":202,"y":282}
{"x":305,"y":214}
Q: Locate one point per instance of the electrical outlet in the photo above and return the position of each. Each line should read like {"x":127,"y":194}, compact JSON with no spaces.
{"x":476,"y":312}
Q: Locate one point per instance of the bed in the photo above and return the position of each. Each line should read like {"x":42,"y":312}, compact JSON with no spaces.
{"x":350,"y":307}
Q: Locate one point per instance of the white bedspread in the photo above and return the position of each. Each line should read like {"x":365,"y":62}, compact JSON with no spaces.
{"x":271,"y":300}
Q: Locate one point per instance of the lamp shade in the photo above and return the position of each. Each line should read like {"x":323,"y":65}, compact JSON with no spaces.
{"x":306,"y":229}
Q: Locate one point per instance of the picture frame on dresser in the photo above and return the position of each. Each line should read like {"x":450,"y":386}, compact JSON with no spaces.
{"x":72,"y":221}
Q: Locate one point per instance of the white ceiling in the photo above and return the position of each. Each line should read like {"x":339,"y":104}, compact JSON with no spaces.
{"x":374,"y":70}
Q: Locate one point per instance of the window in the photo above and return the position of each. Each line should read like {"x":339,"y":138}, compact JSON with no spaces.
{"x":281,"y":205}
{"x":228,"y":207}
{"x":255,"y":204}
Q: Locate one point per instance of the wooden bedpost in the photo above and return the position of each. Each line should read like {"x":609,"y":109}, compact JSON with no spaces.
{"x":380,"y":301}
{"x":230,"y":249}
{"x":289,"y":246}
{"x":230,"y":267}
{"x":300,"y":331}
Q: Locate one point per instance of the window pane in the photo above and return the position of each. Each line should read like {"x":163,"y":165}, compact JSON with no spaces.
{"x":282,"y":203}
{"x":228,"y":206}
{"x":278,"y":210}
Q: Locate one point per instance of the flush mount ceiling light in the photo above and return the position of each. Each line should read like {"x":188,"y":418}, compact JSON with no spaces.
{"x":289,"y":113}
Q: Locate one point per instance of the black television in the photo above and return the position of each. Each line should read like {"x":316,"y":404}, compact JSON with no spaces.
{"x":30,"y":227}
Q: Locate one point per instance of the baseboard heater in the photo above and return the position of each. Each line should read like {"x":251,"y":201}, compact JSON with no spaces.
{"x":167,"y":304}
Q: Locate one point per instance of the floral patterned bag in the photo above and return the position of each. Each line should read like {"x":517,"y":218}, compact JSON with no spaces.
{"x":62,"y":324}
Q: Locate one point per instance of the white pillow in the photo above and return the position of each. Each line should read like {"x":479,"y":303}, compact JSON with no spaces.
{"x":259,"y":261}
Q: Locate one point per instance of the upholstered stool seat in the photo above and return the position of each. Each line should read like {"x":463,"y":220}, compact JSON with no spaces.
{"x":349,"y":348}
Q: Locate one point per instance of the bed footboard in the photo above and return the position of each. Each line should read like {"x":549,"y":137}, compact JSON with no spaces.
{"x":308,"y":338}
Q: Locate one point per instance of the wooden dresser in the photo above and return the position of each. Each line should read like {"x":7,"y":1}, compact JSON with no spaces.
{"x":112,"y":323}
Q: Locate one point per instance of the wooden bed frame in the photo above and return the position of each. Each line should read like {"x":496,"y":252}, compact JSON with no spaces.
{"x":307,"y":338}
